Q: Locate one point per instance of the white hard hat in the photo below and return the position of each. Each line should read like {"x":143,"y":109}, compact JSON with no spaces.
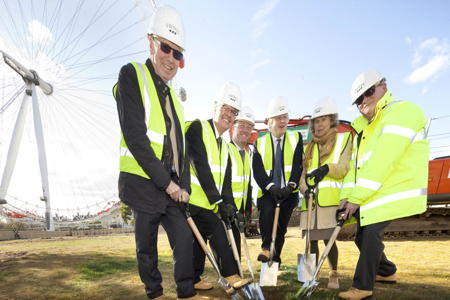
{"x":246,"y":114}
{"x":324,"y":107}
{"x":278,"y":106}
{"x":166,"y":22}
{"x":229,"y":94}
{"x":363,"y":82}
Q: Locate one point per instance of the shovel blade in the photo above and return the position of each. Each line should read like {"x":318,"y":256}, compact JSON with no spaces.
{"x":307,"y":289}
{"x":268,"y":275}
{"x":306,"y":265}
{"x":257,"y":292}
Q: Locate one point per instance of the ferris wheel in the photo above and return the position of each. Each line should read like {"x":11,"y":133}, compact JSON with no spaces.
{"x":58,"y":122}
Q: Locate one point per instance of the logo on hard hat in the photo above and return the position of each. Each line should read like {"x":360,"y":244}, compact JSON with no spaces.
{"x":232,"y":98}
{"x":172,"y":28}
{"x":281,"y":108}
{"x":248,"y":115}
{"x":359,"y":88}
{"x":317,"y":110}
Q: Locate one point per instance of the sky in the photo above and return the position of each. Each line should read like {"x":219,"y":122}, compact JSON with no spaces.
{"x":301,"y":50}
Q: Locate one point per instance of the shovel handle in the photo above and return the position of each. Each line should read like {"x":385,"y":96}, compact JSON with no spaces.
{"x":275,"y":221}
{"x":235,"y":251}
{"x":247,"y":254}
{"x":197,"y":234}
{"x":308,"y":222}
{"x":328,"y":248}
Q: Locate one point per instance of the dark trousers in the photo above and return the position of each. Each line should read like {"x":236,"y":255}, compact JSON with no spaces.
{"x":372,"y":260}
{"x":266,"y":208}
{"x":181,"y":242}
{"x":212,"y":230}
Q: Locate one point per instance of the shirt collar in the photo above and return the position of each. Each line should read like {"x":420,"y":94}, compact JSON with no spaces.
{"x":160,"y":85}
{"x":274,"y":139}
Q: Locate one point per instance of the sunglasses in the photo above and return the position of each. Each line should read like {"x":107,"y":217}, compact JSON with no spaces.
{"x":230,"y":110}
{"x":368,"y":93}
{"x":178,"y":55}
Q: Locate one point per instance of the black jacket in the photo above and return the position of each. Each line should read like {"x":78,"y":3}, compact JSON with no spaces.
{"x":143,"y":194}
{"x":199,"y":161}
{"x":260,"y":174}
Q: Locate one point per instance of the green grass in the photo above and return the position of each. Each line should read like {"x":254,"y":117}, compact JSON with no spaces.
{"x":99,"y":268}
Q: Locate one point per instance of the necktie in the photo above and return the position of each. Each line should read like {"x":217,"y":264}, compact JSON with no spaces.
{"x":242,"y":153}
{"x":219,"y":143}
{"x":172,"y":135}
{"x":277,"y":174}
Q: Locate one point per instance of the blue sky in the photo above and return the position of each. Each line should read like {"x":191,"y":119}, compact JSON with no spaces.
{"x":302,"y":50}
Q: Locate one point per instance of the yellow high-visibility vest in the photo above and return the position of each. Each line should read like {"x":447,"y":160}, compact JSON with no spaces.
{"x":217,"y":162}
{"x":388,"y":174}
{"x":240,"y":176}
{"x":265,"y":149}
{"x":329,"y":188}
{"x":155,"y":123}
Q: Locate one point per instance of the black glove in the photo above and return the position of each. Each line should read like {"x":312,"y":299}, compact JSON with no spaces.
{"x":275,"y":192}
{"x":285,"y":192}
{"x":240,"y":220}
{"x":227,"y":211}
{"x":319,"y":173}
{"x":308,"y":192}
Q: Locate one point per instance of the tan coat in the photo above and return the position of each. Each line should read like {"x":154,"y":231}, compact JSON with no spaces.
{"x":325,"y":217}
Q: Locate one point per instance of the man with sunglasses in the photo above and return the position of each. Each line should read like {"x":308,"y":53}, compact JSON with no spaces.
{"x":154,"y":169}
{"x":388,"y":176}
{"x":211,"y":185}
{"x":277,"y":167}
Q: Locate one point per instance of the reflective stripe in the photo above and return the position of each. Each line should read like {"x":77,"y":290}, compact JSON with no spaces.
{"x":125,"y":152}
{"x":194,"y":180}
{"x":368,"y":184}
{"x":348,"y":185}
{"x":155,"y":137}
{"x":330,"y":184}
{"x":206,"y":131}
{"x":399,"y":130}
{"x":394,"y":197}
{"x":338,"y":147}
{"x":146,"y":96}
{"x":421,"y":135}
{"x":237,"y":194}
{"x":364,"y":158}
{"x":217,"y":168}
{"x":262,"y":146}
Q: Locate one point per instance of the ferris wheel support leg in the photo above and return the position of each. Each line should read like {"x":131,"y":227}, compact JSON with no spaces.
{"x":15,"y":144}
{"x":42,"y":159}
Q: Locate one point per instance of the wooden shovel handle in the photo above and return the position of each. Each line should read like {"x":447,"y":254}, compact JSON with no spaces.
{"x":308,"y":222}
{"x":197,"y":234}
{"x":275,"y":221}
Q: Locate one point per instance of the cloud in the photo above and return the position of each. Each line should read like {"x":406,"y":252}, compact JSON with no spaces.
{"x":431,"y":58}
{"x":265,"y":10}
{"x":260,"y":64}
{"x":258,"y":22}
{"x":39,"y":33}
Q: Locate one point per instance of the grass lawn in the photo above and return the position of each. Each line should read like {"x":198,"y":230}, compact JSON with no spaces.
{"x":104,"y":267}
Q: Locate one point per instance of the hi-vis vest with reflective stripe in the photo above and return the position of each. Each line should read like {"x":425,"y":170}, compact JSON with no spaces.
{"x":240,"y":176}
{"x":218,"y":164}
{"x":329,"y":188}
{"x":388,"y":174}
{"x":156,"y":126}
{"x":266,"y":150}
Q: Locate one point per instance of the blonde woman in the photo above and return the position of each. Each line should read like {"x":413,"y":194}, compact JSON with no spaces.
{"x":327,"y":159}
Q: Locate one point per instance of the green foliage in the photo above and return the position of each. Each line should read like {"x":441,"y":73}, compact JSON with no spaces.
{"x":126,"y":213}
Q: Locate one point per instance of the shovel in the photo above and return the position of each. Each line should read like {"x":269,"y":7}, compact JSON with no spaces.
{"x":306,"y":263}
{"x":222,"y":281}
{"x":310,"y":286}
{"x":269,"y":270}
{"x":255,"y":288}
{"x":245,"y":289}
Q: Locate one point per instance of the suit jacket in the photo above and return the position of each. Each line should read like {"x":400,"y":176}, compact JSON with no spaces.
{"x":259,"y":173}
